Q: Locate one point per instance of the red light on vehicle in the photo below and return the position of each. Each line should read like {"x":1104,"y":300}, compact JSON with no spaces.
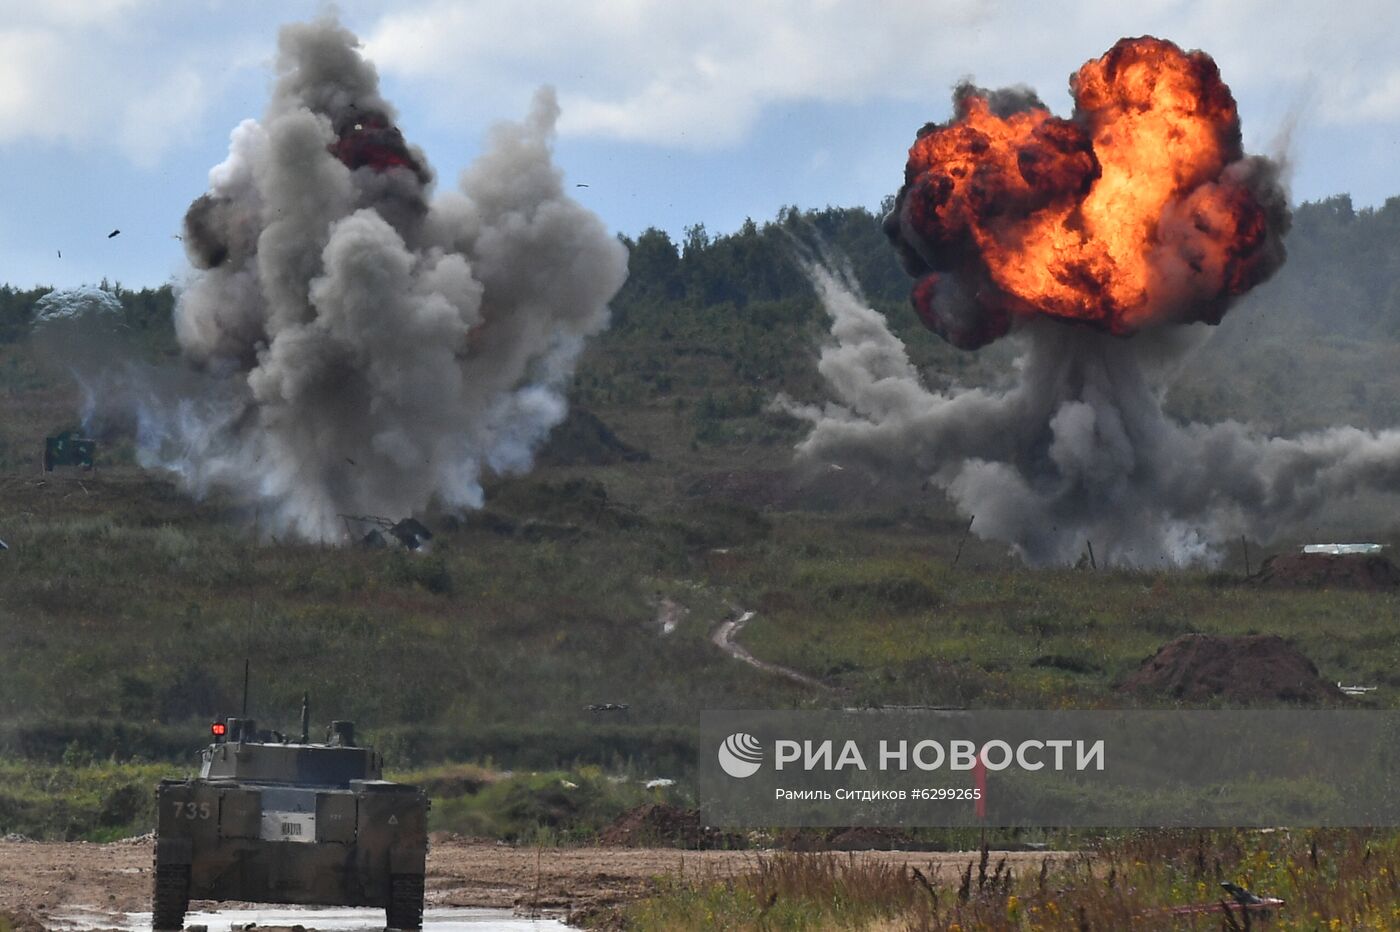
{"x":218,"y":729}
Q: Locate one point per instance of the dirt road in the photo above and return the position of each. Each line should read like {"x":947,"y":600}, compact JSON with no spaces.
{"x":724,"y":638}
{"x":42,"y":878}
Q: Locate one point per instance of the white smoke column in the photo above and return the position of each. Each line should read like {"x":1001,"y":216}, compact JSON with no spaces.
{"x":76,"y":331}
{"x":74,"y":304}
{"x":371,"y":349}
{"x":1078,"y":448}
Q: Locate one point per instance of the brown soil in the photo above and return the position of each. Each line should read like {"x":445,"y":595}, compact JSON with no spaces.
{"x":1247,"y":669}
{"x":653,"y":825}
{"x":1372,"y":572}
{"x":43,"y":878}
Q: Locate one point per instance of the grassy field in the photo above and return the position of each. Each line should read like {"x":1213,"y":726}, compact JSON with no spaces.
{"x":1152,"y":880}
{"x":81,"y":799}
{"x":128,"y":610}
{"x":125,"y":602}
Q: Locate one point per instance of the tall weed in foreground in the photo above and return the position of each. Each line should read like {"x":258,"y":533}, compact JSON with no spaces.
{"x":1328,"y":879}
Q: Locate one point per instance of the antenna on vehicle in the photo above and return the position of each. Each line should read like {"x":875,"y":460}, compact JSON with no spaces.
{"x":245,"y":687}
{"x":305,"y":715}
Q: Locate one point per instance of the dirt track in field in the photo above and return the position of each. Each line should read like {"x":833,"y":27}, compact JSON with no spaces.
{"x":725,"y":638}
{"x":44,"y":878}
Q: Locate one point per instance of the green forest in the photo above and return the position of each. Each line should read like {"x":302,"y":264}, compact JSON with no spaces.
{"x":720,"y":323}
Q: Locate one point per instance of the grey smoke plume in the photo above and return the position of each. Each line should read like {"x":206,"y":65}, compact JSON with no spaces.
{"x":1078,"y":448}
{"x":370,"y":348}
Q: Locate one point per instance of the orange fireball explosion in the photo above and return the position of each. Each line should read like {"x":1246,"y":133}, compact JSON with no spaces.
{"x":1140,"y":209}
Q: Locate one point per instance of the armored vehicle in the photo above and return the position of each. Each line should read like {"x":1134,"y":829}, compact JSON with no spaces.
{"x":274,"y":820}
{"x":69,"y":450}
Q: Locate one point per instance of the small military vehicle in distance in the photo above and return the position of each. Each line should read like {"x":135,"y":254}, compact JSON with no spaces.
{"x":67,"y":449}
{"x":274,"y":820}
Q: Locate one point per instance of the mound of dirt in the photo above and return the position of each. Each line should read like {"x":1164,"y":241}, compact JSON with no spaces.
{"x":1244,"y":669}
{"x":859,"y":838}
{"x":1370,"y":571}
{"x":659,"y":825}
{"x":584,"y":440}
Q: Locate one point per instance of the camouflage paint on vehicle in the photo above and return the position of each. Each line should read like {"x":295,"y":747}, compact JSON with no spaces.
{"x":269,"y":820}
{"x":65,"y":449}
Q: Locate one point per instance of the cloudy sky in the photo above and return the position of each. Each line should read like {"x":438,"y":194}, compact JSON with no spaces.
{"x":113,"y":111}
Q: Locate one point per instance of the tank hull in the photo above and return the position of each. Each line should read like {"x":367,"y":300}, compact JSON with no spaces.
{"x":304,"y":845}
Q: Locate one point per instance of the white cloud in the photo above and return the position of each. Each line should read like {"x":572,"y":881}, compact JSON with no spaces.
{"x":32,"y":63}
{"x":139,"y":74}
{"x":68,"y":12}
{"x":700,"y":75}
{"x":116,"y":73}
{"x":684,"y":74}
{"x":1381,"y":101}
{"x":160,"y":117}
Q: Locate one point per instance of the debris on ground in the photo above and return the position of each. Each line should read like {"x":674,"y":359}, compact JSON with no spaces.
{"x":410,"y":533}
{"x":1368,"y":571}
{"x":661,"y":825}
{"x":1244,"y":668}
{"x":1241,"y":895}
{"x":145,"y":839}
{"x":1242,"y":901}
